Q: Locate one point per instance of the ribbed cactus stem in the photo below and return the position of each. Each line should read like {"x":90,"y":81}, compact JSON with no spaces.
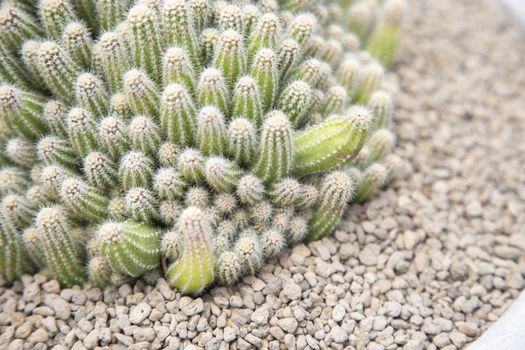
{"x":22,"y":111}
{"x":288,"y":55}
{"x":393,"y":165}
{"x":381,"y":105}
{"x":146,"y":41}
{"x":371,"y":78}
{"x":142,"y":204}
{"x":193,"y":271}
{"x":308,"y":195}
{"x":264,"y":35}
{"x":21,"y":151}
{"x":275,"y":156}
{"x":14,"y":261}
{"x":348,"y":74}
{"x":177,"y":68}
{"x":142,"y":94}
{"x":200,"y":11}
{"x":119,"y":106}
{"x":225,"y":203}
{"x":208,"y":38}
{"x":179,"y":28}
{"x":250,"y":15}
{"x":380,"y":144}
{"x":332,"y":52}
{"x":55,"y":15}
{"x":178,"y":115}
{"x":113,"y":136}
{"x":371,"y":180}
{"x":385,"y":39}
{"x":11,"y":71}
{"x":114,"y":57}
{"x":117,"y":208}
{"x":272,"y":242}
{"x":58,"y":70}
{"x":242,"y":141}
{"x":62,"y":254}
{"x":54,"y":116}
{"x":99,"y":271}
{"x":168,"y":154}
{"x":247,"y":100}
{"x":111,"y":12}
{"x":54,"y":150}
{"x":91,"y":94}
{"x":169,"y":211}
{"x":84,"y":200}
{"x":211,"y":131}
{"x":38,"y":196}
{"x":264,"y":71}
{"x":77,"y":43}
{"x":13,"y":180}
{"x":87,"y":9}
{"x":301,"y":28}
{"x":231,"y":18}
{"x":250,"y":189}
{"x":145,"y":135}
{"x":136,"y":170}
{"x":249,"y":251}
{"x":221,"y":174}
{"x":295,"y":102}
{"x":100,"y":170}
{"x":336,"y":190}
{"x":221,"y":243}
{"x":261,"y":212}
{"x":171,"y":244}
{"x":298,"y":229}
{"x":230,"y":57}
{"x":360,"y":18}
{"x":211,"y":90}
{"x":29,"y":56}
{"x":130,"y":247}
{"x":197,"y":196}
{"x":228,"y":268}
{"x":334,"y":100}
{"x":52,"y":177}
{"x":16,"y":26}
{"x":17,"y":210}
{"x":168,"y":183}
{"x":82,"y":130}
{"x":285,"y":192}
{"x":331,"y":143}
{"x":191,"y":165}
{"x":34,"y":246}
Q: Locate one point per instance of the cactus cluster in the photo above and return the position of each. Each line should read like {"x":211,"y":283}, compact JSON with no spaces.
{"x":190,"y":138}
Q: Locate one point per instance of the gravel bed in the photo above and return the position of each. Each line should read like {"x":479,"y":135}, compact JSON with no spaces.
{"x":428,"y":264}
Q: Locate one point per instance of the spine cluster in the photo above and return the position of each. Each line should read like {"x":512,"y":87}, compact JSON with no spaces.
{"x":205,"y":134}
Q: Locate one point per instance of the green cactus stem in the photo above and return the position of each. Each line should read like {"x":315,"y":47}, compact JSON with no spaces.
{"x":131,"y":248}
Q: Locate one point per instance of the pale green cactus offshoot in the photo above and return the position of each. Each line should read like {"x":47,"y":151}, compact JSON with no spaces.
{"x":194,"y":269}
{"x":331,"y":143}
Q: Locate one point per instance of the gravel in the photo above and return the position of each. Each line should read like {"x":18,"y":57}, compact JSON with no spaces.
{"x":430,"y":263}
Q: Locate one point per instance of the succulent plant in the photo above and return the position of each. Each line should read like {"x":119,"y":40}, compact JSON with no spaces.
{"x":205,"y":134}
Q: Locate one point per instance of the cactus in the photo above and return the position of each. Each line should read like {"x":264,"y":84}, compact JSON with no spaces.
{"x":228,"y":126}
{"x":336,"y":190}
{"x":63,"y":257}
{"x":331,"y":143}
{"x":130,"y":247}
{"x":386,"y":36}
{"x":14,"y":260}
{"x":194,"y":269}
